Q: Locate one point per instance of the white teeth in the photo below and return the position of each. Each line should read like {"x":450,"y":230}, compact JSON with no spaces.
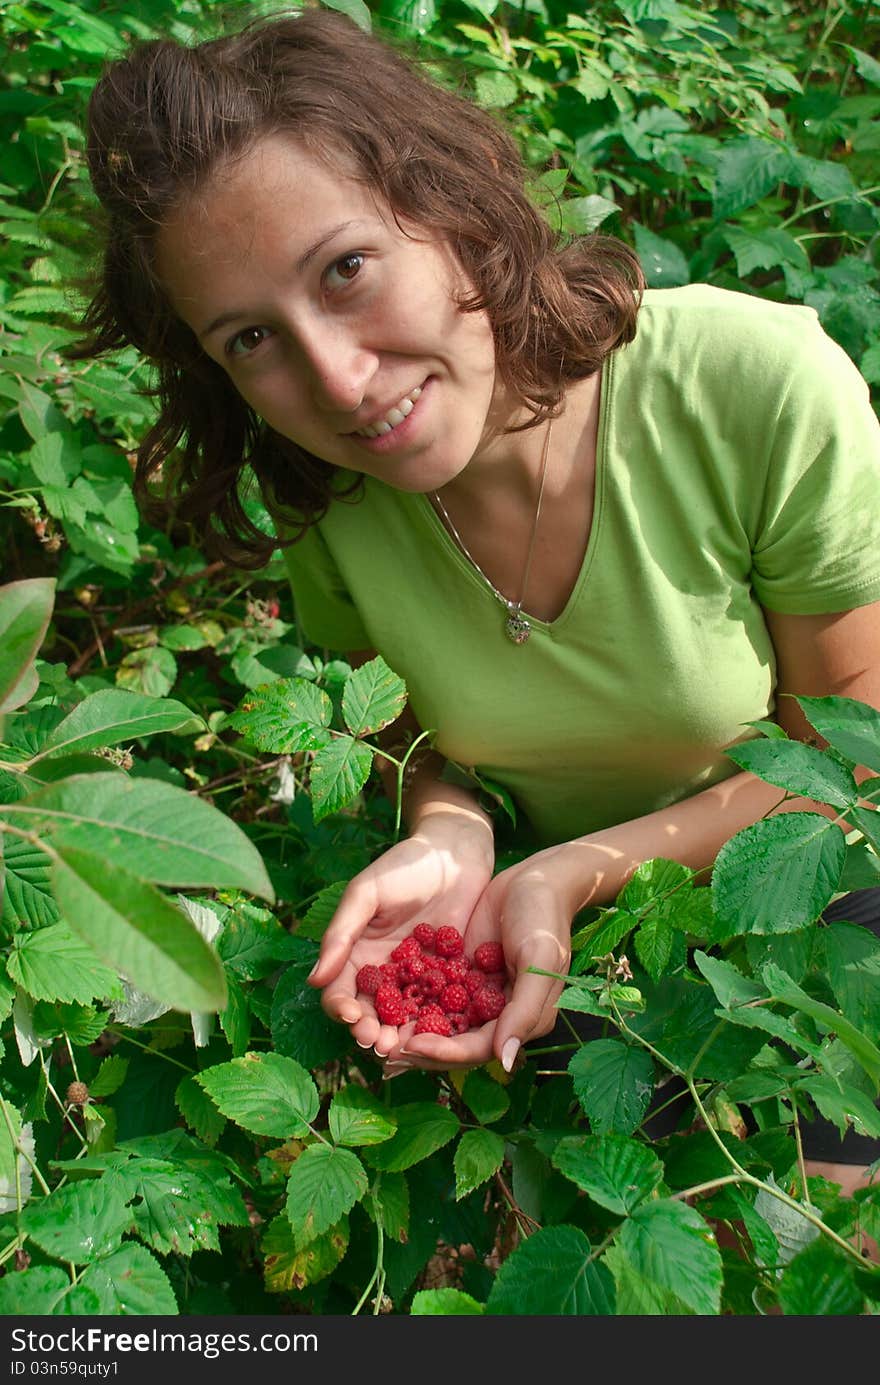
{"x":394,"y":416}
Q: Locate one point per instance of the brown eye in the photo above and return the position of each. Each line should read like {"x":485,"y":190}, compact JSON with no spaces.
{"x":347,"y":269}
{"x":243,"y":343}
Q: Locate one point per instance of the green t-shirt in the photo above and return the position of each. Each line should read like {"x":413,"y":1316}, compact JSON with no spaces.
{"x":738,"y":467}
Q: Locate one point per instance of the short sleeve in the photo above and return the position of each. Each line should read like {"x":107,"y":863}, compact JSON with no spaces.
{"x":324,"y":606}
{"x":816,"y":548}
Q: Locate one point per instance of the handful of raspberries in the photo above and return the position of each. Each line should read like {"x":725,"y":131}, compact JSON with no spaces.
{"x":430,"y":979}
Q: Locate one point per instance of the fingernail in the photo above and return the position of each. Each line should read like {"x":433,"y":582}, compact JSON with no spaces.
{"x":394,"y":1070}
{"x":313,"y":970}
{"x":381,"y":1055}
{"x":360,"y":1045}
{"x":348,"y":1018}
{"x":508,"y":1054}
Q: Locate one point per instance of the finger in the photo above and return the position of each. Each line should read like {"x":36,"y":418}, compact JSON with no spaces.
{"x":435,"y":1052}
{"x":339,"y":1000}
{"x":529,"y":1013}
{"x":356,"y":908}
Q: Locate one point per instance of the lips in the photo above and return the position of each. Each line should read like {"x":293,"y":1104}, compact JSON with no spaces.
{"x":395,"y":415}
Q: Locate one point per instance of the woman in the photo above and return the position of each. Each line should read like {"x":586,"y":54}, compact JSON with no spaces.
{"x":597,"y":530}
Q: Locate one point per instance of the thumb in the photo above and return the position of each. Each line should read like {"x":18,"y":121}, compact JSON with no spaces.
{"x":356,"y":908}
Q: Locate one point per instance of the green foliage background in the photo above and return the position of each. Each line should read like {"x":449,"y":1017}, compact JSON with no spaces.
{"x":240,"y":1158}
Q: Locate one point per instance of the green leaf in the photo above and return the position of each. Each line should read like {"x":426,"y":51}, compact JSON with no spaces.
{"x":552,"y":1272}
{"x":819,"y":1282}
{"x":109,"y":1077}
{"x":81,"y":1222}
{"x":135,"y":929}
{"x":851,"y":727}
{"x":771,"y":1023}
{"x":113,"y":715}
{"x":444,"y":1303}
{"x":799,"y":768}
{"x":43,"y":1291}
{"x":286,"y":1267}
{"x":617,"y":1172}
{"x":583,"y":215}
{"x":670,"y":1246}
{"x":653,"y":944}
{"x":300,"y":1028}
{"x":264,"y":1093}
{"x":387,"y":1203}
{"x":484,"y":1096}
{"x":284,"y":717}
{"x":324,"y":1183}
{"x":27,"y":886}
{"x":25,"y":612}
{"x":853,"y":961}
{"x":479,"y":1155}
{"x":338,"y":774}
{"x":764,"y":247}
{"x":54,"y":964}
{"x":422,"y":1128}
{"x":791,"y":1229}
{"x":865,"y":65}
{"x":253,"y":943}
{"x":131,"y":1282}
{"x":16,"y":1140}
{"x":495,"y":89}
{"x":178,"y":1206}
{"x":356,"y":1117}
{"x":638,"y":1296}
{"x":152,"y":671}
{"x":372,"y":698}
{"x":729,"y":984}
{"x":843,"y":1105}
{"x":784,"y":989}
{"x":777,"y":875}
{"x":154,"y":830}
{"x":199,"y":1111}
{"x":663,"y":261}
{"x":867,"y":820}
{"x":321,"y":910}
{"x":613,"y":1082}
{"x":747,"y":169}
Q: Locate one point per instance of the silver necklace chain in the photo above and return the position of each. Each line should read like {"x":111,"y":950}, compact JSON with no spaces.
{"x":516,"y":627}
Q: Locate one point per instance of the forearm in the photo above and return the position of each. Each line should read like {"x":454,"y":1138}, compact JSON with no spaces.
{"x":595,"y":868}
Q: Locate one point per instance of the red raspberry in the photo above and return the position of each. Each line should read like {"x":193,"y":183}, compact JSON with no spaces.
{"x":495,"y":978}
{"x":489,"y":1002}
{"x":390,"y":974}
{"x":455,"y":997}
{"x":474,"y":1018}
{"x":456,"y":968}
{"x":390,"y":1005}
{"x":448,"y":942}
{"x":431,"y":1020}
{"x":368,"y":980}
{"x":424,"y":936}
{"x":434,"y":981}
{"x":406,"y":949}
{"x":412,"y":1005}
{"x":458,"y":1022}
{"x":489,"y":957}
{"x":412,"y":968}
{"x":474,"y":981}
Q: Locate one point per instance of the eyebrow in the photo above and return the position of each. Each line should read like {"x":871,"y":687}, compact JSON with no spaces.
{"x":302,"y":264}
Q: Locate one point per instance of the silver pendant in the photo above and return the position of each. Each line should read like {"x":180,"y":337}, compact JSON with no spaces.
{"x":516,"y":627}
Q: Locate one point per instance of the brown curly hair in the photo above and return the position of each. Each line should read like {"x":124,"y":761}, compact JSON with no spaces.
{"x":164,"y":117}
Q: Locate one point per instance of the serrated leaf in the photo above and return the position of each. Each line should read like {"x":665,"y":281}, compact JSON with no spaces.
{"x":16,"y":1153}
{"x":851,"y":727}
{"x":777,"y":875}
{"x":613,"y":1082}
{"x":324,"y":1183}
{"x":253,"y":944}
{"x":356,"y":1117}
{"x":479,"y":1155}
{"x":782,"y":986}
{"x":799,"y":768}
{"x":154,"y":830}
{"x":284,"y":717}
{"x":422,"y":1128}
{"x":152,"y":671}
{"x":25,"y":612}
{"x":287,"y":1267}
{"x":43,"y":1291}
{"x":321,"y":910}
{"x":372,"y":698}
{"x":792,"y":1230}
{"x":300,"y":1028}
{"x":867,"y":820}
{"x":843,"y":1105}
{"x":27,"y":886}
{"x":444,"y":1303}
{"x":54,"y":964}
{"x":109,"y":1077}
{"x":338,"y":773}
{"x":653,"y":945}
{"x":663,"y":261}
{"x":199,"y":1111}
{"x":747,"y":169}
{"x":178,"y":1207}
{"x":264,"y":1093}
{"x":770,"y":1022}
{"x":138,"y":931}
{"x":113,"y":715}
{"x":853,"y":965}
{"x":616,"y":1171}
{"x":131,"y":1282}
{"x":552,"y":1272}
{"x":387,"y":1203}
{"x":764,"y":247}
{"x":81,"y":1222}
{"x":670,"y":1245}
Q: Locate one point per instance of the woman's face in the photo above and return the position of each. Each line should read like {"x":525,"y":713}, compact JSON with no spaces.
{"x":330,"y":321}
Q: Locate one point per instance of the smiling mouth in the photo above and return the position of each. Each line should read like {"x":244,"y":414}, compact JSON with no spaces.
{"x":401,"y":410}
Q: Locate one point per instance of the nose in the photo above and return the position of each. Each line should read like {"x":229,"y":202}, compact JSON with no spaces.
{"x":339,"y":366}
